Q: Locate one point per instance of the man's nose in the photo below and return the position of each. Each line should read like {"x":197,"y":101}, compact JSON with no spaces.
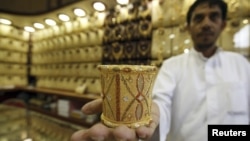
{"x":206,"y":23}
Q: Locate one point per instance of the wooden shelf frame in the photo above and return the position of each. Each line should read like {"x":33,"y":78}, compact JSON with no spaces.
{"x":78,"y":122}
{"x":53,"y":92}
{"x":62,"y":93}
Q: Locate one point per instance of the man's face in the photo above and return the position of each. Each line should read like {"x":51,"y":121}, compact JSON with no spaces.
{"x":205,"y":26}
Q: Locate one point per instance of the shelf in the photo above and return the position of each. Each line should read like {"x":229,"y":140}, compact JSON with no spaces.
{"x":79,"y":122}
{"x":7,"y":88}
{"x":63,"y":93}
{"x":82,"y":98}
{"x":60,"y":93}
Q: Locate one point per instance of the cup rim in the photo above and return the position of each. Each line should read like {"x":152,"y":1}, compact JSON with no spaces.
{"x":128,"y":68}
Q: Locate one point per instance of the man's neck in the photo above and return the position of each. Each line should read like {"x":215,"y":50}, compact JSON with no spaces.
{"x":207,"y":52}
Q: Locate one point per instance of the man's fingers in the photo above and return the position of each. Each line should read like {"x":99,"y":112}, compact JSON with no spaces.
{"x":79,"y":136}
{"x":93,"y":107}
{"x":123,"y":133}
{"x":145,"y":132}
{"x":98,"y":132}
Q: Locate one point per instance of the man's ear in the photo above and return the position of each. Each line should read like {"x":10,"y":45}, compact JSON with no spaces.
{"x":187,"y":27}
{"x":223,"y":25}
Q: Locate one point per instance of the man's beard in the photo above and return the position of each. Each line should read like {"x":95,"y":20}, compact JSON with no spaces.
{"x":204,"y":47}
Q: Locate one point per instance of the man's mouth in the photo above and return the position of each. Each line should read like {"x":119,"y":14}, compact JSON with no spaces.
{"x":205,"y":34}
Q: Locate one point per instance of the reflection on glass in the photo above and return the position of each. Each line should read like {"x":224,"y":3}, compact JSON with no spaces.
{"x":242,"y":40}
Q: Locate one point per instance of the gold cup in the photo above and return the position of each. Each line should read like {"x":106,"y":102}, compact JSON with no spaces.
{"x":127,"y":94}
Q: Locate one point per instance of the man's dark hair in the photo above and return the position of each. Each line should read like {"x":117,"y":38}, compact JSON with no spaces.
{"x":222,"y":5}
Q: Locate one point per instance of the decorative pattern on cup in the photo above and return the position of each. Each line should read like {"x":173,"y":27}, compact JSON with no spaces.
{"x":126,"y":93}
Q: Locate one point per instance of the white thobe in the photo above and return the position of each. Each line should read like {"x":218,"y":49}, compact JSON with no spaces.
{"x":193,"y":91}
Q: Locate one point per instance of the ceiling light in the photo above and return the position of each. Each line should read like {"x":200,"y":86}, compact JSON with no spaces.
{"x":39,"y":25}
{"x":171,"y":36}
{"x":79,"y":12}
{"x":99,"y":6}
{"x":50,"y":22}
{"x":122,"y":2}
{"x":29,"y":29}
{"x":5,"y":21}
{"x":245,"y":21}
{"x":63,"y":17}
{"x":186,"y":50}
{"x":130,"y":6}
{"x":27,"y":139}
{"x":187,"y":41}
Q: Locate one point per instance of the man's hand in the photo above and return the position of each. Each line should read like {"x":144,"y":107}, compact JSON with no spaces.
{"x":100,"y":132}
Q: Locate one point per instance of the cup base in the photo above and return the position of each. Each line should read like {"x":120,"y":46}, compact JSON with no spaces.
{"x":113,"y":124}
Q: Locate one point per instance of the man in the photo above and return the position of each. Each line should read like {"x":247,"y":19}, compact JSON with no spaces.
{"x":206,"y":86}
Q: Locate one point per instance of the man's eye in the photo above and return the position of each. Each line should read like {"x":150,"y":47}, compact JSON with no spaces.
{"x":214,"y":16}
{"x":198,"y":18}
